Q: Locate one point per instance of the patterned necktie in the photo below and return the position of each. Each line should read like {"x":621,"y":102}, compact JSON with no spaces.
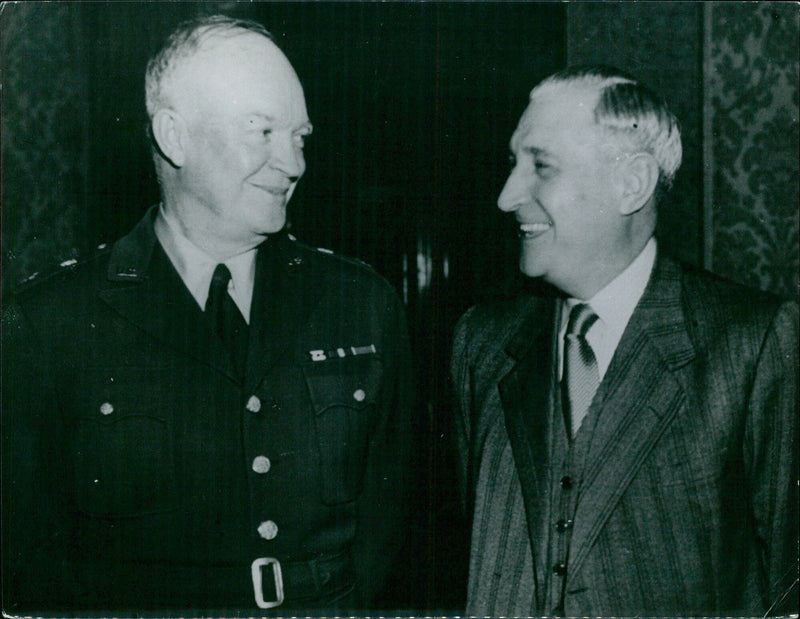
{"x":226,"y":318}
{"x":581,"y":377}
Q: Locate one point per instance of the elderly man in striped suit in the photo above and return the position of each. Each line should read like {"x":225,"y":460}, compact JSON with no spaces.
{"x":630,"y":441}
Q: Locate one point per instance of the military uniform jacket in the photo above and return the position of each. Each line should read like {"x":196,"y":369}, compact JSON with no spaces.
{"x":141,"y":473}
{"x":684,"y":500}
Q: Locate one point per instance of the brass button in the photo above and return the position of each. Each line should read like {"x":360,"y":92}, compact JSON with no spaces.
{"x":268,"y":530}
{"x":261,"y":464}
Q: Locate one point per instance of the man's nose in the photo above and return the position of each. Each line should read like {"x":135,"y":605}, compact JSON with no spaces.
{"x":287,"y":157}
{"x":514,"y":193}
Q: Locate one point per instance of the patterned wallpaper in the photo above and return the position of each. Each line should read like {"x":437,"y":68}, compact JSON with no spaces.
{"x":752,"y":78}
{"x":43,"y":137}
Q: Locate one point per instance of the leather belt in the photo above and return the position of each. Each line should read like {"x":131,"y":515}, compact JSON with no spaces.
{"x":296,"y":581}
{"x":151,"y":586}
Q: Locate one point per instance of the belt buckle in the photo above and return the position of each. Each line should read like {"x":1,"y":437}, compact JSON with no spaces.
{"x":258,"y":589}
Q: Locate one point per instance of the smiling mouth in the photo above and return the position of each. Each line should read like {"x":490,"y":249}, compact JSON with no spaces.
{"x":532,"y":230}
{"x":275,"y":191}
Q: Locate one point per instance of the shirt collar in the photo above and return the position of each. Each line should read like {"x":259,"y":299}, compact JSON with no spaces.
{"x":196,"y":267}
{"x":615,"y":303}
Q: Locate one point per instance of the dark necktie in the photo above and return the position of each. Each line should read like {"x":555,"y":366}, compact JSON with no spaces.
{"x":581,"y":376}
{"x":225,"y":317}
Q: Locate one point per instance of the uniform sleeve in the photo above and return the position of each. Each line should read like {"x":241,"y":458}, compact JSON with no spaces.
{"x":35,"y":572}
{"x":772,"y":433}
{"x":383,"y":507}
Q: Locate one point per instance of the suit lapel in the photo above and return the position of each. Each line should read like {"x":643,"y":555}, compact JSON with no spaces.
{"x":527,"y":396}
{"x":156,"y":300}
{"x":640,"y":395}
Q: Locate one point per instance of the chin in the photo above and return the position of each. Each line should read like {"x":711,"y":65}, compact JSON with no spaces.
{"x":272,"y":222}
{"x":529,"y":267}
{"x":272,"y":229}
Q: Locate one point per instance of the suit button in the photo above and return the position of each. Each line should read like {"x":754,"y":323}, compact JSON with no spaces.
{"x":560,"y":569}
{"x":268,"y":530}
{"x":253,"y":404}
{"x":359,"y":395}
{"x":562,"y":525}
{"x":261,"y":464}
{"x":566,"y":483}
{"x":106,"y":408}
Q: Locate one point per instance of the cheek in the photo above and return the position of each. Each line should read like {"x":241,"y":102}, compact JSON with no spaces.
{"x":559,"y":199}
{"x":228,"y":158}
{"x":233,"y":162}
{"x":575,"y":221}
{"x":209,"y":142}
{"x":252,"y":157}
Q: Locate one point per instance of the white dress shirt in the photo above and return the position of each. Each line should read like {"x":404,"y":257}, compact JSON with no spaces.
{"x":613,"y":305}
{"x":196,"y":267}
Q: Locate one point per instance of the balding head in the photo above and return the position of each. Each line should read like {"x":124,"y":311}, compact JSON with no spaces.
{"x":630,"y":112}
{"x":185,"y":41}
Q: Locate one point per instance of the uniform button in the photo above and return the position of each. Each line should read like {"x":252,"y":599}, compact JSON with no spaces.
{"x":562,"y":525}
{"x":106,"y":408}
{"x":560,"y":569}
{"x":359,"y":395}
{"x":268,"y":529}
{"x":253,"y":404}
{"x":566,"y":483}
{"x":261,"y":464}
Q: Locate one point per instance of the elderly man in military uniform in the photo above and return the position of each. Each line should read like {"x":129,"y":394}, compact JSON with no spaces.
{"x":208,"y":416}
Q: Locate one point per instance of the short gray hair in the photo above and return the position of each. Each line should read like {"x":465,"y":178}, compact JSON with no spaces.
{"x":186,"y":39}
{"x":631,"y":111}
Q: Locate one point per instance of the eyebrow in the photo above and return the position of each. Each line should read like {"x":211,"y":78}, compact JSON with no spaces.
{"x":271,"y":119}
{"x":261,"y":116}
{"x":538,"y":151}
{"x":533,"y":150}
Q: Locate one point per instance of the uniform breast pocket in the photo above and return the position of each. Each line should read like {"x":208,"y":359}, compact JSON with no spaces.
{"x":122,"y":463}
{"x":343,"y":393}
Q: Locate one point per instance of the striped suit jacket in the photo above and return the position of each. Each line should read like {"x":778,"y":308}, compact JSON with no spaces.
{"x":689,"y":499}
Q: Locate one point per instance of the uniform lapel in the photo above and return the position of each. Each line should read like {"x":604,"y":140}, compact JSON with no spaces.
{"x":527,"y":396}
{"x":156,"y":300}
{"x":285,"y":291}
{"x":640,"y":395}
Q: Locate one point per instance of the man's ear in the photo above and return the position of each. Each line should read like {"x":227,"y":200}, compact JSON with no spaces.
{"x":169,"y":134}
{"x":639,"y":177}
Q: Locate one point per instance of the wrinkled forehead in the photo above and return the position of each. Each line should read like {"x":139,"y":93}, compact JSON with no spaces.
{"x":557,"y":106}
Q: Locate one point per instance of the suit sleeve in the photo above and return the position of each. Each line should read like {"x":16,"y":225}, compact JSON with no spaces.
{"x":772,"y":433}
{"x":383,"y":507}
{"x":460,"y":387}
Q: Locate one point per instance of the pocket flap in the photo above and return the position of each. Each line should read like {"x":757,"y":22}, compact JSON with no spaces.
{"x":350,"y":382}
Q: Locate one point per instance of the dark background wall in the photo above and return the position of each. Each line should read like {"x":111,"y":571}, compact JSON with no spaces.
{"x":663,"y":48}
{"x":413,"y":105}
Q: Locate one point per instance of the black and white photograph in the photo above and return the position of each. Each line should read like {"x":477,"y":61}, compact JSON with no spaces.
{"x":439,"y":309}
